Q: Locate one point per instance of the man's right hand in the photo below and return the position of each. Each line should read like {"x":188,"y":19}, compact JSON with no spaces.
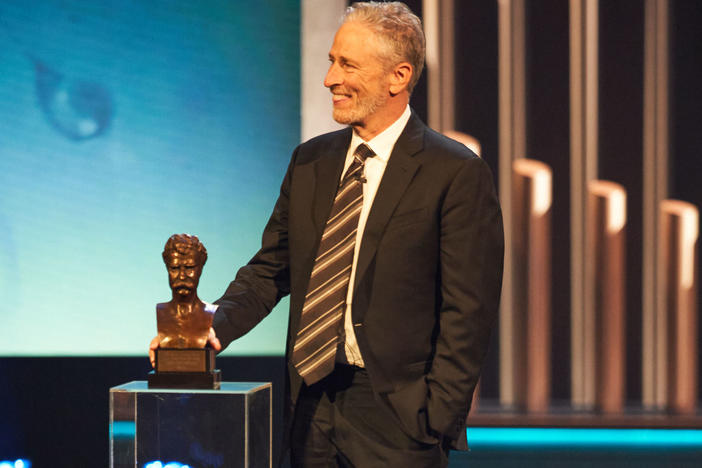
{"x":214,"y":341}
{"x":153,"y":346}
{"x":211,"y":339}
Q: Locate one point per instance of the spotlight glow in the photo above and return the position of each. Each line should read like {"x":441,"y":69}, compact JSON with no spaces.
{"x":19,"y":463}
{"x":159,"y":464}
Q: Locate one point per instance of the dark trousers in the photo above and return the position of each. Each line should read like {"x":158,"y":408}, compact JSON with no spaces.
{"x":339,"y":423}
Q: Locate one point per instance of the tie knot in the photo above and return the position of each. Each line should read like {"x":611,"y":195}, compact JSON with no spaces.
{"x":363,"y":152}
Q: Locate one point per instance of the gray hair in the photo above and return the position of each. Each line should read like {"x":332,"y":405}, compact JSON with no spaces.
{"x":398,"y":28}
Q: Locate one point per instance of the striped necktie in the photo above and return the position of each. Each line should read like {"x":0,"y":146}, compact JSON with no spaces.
{"x":314,"y":353}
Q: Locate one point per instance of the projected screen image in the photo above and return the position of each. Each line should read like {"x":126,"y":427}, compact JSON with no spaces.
{"x":123,"y":123}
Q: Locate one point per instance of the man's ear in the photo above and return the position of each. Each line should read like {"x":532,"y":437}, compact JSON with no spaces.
{"x":400,"y":77}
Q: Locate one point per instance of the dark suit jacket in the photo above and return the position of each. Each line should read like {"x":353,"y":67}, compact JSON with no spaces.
{"x":427,"y":281}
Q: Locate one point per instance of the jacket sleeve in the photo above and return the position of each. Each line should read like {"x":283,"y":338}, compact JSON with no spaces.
{"x":261,"y":283}
{"x":471,"y":260}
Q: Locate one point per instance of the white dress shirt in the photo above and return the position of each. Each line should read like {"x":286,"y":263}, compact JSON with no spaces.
{"x":382,"y":145}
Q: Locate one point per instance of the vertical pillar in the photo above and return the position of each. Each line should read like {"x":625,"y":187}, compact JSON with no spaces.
{"x":605,"y":312}
{"x":438,"y":19}
{"x":583,"y":168}
{"x":655,"y":179}
{"x":512,"y":144}
{"x":531,"y":310}
{"x":676,"y":346}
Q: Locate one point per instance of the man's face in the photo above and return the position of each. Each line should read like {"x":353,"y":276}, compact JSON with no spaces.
{"x":183,"y":273}
{"x":357,"y":77}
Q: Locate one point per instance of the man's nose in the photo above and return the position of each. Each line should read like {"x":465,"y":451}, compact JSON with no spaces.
{"x":333,"y":77}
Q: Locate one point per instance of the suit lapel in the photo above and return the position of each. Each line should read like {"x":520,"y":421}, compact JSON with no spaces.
{"x":327,"y":175}
{"x":397,"y":176}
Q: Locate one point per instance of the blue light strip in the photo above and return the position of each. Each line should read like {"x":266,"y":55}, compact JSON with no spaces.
{"x":123,"y":429}
{"x":480,"y":438}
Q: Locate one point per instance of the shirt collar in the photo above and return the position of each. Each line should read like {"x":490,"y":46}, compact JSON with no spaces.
{"x":383,"y":143}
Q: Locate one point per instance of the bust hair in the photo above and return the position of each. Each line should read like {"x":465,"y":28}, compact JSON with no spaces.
{"x":185,"y":244}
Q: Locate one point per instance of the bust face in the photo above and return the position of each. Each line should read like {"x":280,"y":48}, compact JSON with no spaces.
{"x":183,"y":273}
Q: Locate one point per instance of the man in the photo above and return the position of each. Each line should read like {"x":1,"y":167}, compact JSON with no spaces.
{"x":388,"y":238}
{"x":183,"y":322}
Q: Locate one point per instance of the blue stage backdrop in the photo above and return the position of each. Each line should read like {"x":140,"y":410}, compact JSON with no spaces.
{"x":123,"y":122}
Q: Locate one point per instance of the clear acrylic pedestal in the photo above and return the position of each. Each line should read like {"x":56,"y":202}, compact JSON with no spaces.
{"x":230,"y":427}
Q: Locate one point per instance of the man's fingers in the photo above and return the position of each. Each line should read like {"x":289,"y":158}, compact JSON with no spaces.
{"x":152,"y":350}
{"x":214,"y":341}
{"x":155,"y":342}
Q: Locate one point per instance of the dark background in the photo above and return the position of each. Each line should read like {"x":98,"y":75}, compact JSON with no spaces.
{"x":621,"y":71}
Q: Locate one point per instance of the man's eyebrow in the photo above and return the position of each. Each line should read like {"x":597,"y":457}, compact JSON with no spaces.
{"x":340,"y":58}
{"x":334,"y":58}
{"x":345,"y":61}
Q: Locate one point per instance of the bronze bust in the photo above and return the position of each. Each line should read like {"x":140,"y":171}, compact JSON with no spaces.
{"x":183,"y":322}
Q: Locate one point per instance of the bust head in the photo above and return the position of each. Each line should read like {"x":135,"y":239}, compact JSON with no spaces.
{"x":184,"y":256}
{"x":183,"y":322}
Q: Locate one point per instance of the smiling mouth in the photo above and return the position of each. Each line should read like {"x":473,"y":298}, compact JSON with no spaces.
{"x":339,"y":96}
